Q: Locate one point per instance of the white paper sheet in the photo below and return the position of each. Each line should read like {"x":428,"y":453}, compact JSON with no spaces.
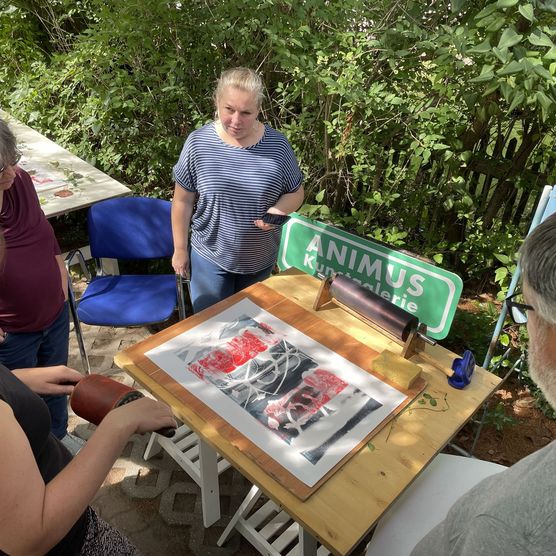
{"x":43,"y":178}
{"x":300,"y":402}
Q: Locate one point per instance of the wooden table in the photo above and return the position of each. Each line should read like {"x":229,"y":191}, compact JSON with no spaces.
{"x":87,"y":184}
{"x":343,"y":510}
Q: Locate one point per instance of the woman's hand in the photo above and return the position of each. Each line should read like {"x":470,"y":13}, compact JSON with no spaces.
{"x":180,"y":262}
{"x":264,"y":226}
{"x":143,"y":415}
{"x":50,"y":381}
{"x":34,"y":516}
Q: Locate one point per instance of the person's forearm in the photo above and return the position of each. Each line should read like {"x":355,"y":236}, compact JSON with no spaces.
{"x":288,"y":202}
{"x":57,"y":380}
{"x":63,"y":275}
{"x":181,"y":220}
{"x":180,"y":229}
{"x":70,"y":492}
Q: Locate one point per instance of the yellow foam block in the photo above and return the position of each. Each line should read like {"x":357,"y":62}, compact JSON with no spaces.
{"x":394,"y":367}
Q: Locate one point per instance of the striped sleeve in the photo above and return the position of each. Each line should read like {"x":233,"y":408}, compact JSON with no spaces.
{"x":293,"y":178}
{"x":185,"y":174}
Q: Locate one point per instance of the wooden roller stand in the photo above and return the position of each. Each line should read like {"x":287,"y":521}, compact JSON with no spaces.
{"x":413,"y":344}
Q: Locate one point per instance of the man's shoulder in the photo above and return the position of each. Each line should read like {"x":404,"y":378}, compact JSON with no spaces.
{"x":542,"y":461}
{"x":523,"y":488}
{"x":531,"y":469}
{"x":508,"y":510}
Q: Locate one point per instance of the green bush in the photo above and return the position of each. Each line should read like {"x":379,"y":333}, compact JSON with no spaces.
{"x":428,"y":129}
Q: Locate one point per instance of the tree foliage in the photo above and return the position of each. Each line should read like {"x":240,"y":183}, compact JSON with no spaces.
{"x":425,"y":125}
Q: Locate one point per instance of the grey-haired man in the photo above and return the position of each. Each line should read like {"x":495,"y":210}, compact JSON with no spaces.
{"x":514,"y":512}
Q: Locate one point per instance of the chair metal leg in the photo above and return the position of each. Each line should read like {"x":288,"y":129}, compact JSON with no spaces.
{"x":479,"y":429}
{"x":76,"y":253}
{"x":180,"y":281}
{"x":77,"y":329}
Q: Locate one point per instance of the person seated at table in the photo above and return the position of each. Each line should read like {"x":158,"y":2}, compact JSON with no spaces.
{"x":514,"y":512}
{"x":34,"y":313}
{"x":44,"y":492}
{"x":237,"y":179}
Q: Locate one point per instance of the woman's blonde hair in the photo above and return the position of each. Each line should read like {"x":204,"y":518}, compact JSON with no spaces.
{"x":241,"y":78}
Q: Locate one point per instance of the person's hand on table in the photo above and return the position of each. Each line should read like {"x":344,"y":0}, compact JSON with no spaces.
{"x":52,"y":381}
{"x":180,"y":262}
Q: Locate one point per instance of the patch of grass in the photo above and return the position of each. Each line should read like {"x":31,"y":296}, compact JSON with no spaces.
{"x":498,"y":418}
{"x":472,"y":329}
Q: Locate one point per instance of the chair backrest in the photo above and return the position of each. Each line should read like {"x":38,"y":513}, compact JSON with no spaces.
{"x":545,"y":207}
{"x":130,"y":228}
{"x":440,"y":485}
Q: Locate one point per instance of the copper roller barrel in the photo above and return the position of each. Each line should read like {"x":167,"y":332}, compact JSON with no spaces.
{"x":368,"y":304}
{"x":95,"y":395}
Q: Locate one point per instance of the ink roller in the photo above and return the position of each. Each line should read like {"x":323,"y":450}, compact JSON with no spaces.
{"x":95,"y":395}
{"x":390,"y":320}
{"x":379,"y":313}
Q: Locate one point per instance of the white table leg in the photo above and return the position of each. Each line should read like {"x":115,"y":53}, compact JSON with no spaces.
{"x":244,"y":508}
{"x":210,"y":491}
{"x":153,"y":447}
{"x":307,"y":543}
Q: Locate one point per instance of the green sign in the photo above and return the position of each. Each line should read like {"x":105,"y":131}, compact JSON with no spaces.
{"x":421,"y":288}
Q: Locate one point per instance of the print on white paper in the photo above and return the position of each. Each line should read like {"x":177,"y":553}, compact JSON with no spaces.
{"x":300,"y":402}
{"x":43,"y":178}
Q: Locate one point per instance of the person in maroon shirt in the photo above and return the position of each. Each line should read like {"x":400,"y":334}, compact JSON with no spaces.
{"x":34,"y":316}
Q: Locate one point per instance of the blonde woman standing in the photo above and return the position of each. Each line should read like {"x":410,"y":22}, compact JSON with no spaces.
{"x":237,"y":179}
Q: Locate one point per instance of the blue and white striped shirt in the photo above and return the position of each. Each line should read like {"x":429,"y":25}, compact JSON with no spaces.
{"x":236,"y":186}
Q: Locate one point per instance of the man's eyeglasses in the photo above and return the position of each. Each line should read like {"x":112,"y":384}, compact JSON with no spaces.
{"x":15,"y":160}
{"x":517,"y":309}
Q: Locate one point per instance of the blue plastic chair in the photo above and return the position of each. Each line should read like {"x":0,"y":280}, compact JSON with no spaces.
{"x":127,"y":228}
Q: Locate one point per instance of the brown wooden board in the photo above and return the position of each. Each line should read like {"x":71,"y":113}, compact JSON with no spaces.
{"x":303,"y":320}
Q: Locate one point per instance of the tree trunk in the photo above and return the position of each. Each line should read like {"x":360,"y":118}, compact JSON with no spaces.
{"x":529,"y":142}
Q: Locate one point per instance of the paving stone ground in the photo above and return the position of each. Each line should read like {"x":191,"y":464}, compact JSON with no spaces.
{"x":154,"y":502}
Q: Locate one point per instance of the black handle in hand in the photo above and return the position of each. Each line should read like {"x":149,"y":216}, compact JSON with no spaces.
{"x":168,"y":432}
